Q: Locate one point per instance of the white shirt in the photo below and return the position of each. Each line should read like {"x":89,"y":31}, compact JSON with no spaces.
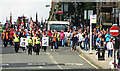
{"x":67,"y":35}
{"x":109,"y":45}
{"x":80,"y":37}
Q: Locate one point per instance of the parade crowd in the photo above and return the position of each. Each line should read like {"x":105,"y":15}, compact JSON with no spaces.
{"x":72,"y":38}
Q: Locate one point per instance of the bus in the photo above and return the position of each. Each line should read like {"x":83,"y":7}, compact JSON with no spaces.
{"x":58,"y":26}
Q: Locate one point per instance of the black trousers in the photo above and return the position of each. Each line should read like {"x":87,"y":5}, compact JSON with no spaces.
{"x":53,"y":44}
{"x":16,"y":46}
{"x":37,"y":49}
{"x":5,"y":42}
{"x":34,"y":48}
{"x":119,"y":61}
{"x":80,"y":43}
{"x":30,"y":49}
{"x":45,"y":47}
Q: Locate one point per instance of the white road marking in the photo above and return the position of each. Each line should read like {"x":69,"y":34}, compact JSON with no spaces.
{"x":40,"y":67}
{"x":53,"y":60}
{"x":73,"y":64}
{"x":5,"y":64}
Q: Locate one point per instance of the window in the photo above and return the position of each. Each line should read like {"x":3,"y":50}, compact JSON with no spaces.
{"x":59,"y":27}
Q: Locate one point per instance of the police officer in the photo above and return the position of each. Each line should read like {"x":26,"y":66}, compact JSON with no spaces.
{"x":16,"y":41}
{"x":30,"y":42}
{"x":5,"y":38}
{"x":37,"y":45}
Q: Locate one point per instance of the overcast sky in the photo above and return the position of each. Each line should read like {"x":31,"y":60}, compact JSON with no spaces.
{"x":26,"y":7}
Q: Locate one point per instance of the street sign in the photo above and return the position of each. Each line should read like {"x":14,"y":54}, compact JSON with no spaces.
{"x":60,"y":12}
{"x":114,"y":31}
{"x":93,"y":18}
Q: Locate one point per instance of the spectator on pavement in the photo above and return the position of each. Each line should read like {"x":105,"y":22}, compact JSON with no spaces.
{"x":110,"y":48}
{"x":74,"y":40}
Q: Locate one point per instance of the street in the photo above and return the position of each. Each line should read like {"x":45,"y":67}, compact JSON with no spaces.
{"x":62,"y":59}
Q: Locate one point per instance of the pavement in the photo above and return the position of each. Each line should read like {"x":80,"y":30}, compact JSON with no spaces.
{"x":104,"y":64}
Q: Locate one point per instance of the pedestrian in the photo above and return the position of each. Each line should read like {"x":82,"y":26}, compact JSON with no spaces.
{"x":107,"y":37}
{"x":37,"y":45}
{"x":50,"y":37}
{"x":57,"y":39}
{"x":53,"y":41}
{"x":71,"y":38}
{"x":68,"y":37}
{"x":118,"y":56}
{"x":74,"y":40}
{"x":44,"y":47}
{"x":80,"y":37}
{"x":16,"y":42}
{"x":62,"y":37}
{"x":110,"y":48}
{"x":30,"y":42}
{"x":5,"y":38}
{"x":86,"y":42}
{"x":34,"y":40}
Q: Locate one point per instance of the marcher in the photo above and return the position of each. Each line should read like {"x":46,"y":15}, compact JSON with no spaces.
{"x":45,"y":47}
{"x":53,"y":41}
{"x":30,"y":42}
{"x":37,"y":45}
{"x":62,"y":37}
{"x":5,"y":38}
{"x":16,"y":42}
{"x":68,"y":37}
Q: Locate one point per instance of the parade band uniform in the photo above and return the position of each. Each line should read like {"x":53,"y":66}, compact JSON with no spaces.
{"x":37,"y":46}
{"x":16,"y":41}
{"x":5,"y":38}
{"x":30,"y":42}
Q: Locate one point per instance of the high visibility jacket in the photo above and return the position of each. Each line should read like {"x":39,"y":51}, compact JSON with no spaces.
{"x":16,"y":39}
{"x":38,"y":41}
{"x":4,"y":35}
{"x":56,"y":35}
{"x":33,"y":38}
{"x":30,"y":41}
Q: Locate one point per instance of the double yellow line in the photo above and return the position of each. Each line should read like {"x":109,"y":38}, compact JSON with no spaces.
{"x":88,"y":62}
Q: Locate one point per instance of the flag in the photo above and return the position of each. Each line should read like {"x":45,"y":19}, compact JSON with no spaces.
{"x":10,"y":18}
{"x":41,"y":27}
{"x":36,"y":19}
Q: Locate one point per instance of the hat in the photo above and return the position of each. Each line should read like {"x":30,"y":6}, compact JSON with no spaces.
{"x":49,"y":30}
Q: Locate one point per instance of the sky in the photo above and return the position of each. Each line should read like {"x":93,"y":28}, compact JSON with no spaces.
{"x":27,"y":8}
